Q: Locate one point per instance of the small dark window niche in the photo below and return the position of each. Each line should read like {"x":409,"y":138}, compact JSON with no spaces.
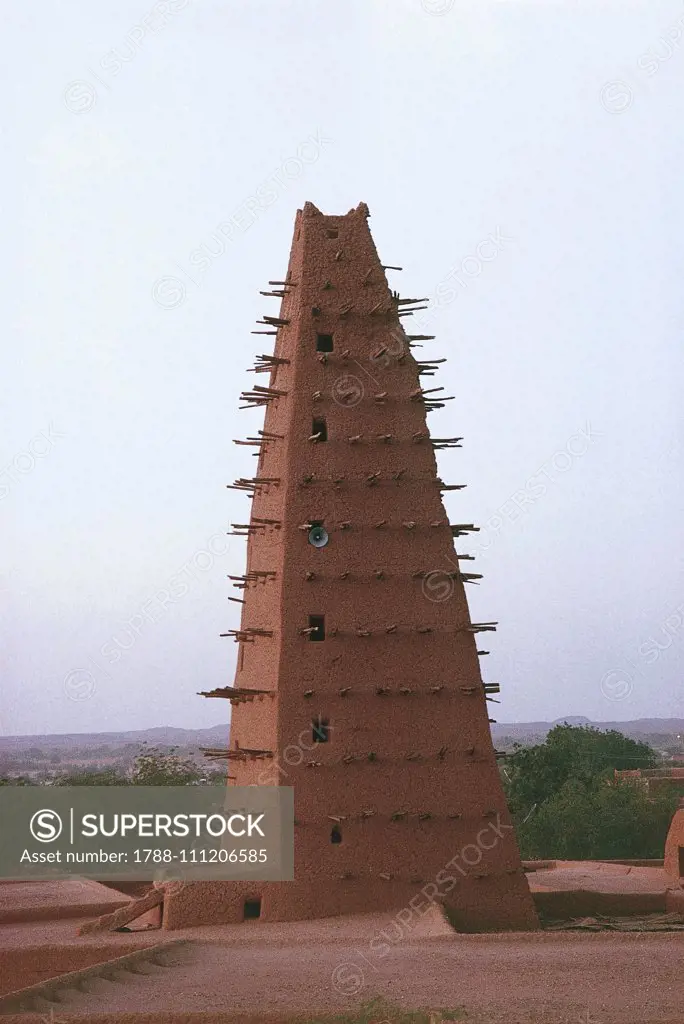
{"x":317,"y":625}
{"x":319,"y":430}
{"x":336,"y":834}
{"x":252,"y":909}
{"x":320,"y":730}
{"x":324,"y":342}
{"x":331,"y":233}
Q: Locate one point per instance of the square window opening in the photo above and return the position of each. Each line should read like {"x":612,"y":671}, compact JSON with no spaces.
{"x":332,"y":233}
{"x":324,"y":342}
{"x":317,"y":627}
{"x":252,"y":909}
{"x":319,"y":430}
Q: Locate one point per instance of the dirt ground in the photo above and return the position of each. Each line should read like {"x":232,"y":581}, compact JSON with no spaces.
{"x":334,"y":965}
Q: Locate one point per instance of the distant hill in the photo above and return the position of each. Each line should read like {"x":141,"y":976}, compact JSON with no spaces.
{"x":651,"y":730}
{"x":166,"y":736}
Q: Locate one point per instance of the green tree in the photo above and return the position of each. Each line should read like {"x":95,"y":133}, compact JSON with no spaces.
{"x":534,"y":774}
{"x":154,"y":767}
{"x":600,"y":822}
{"x":567,"y":803}
{"x":87,"y":777}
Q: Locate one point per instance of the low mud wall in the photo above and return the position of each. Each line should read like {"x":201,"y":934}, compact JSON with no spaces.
{"x":48,"y":912}
{"x":584,"y":903}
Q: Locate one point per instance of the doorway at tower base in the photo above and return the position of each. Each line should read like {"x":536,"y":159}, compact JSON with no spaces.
{"x":492,"y":903}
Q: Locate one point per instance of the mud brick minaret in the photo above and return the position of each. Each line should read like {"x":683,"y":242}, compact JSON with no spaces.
{"x":358,"y":677}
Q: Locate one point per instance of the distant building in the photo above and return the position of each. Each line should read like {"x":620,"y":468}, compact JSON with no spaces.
{"x":655,"y":781}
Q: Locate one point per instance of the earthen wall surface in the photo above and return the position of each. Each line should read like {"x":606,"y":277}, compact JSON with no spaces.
{"x":410,"y":778}
{"x":673,"y":844}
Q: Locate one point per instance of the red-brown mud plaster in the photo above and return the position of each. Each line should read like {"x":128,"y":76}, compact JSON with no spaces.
{"x":454,"y":781}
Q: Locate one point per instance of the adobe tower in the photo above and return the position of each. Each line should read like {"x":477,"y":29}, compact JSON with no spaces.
{"x":358,"y":678}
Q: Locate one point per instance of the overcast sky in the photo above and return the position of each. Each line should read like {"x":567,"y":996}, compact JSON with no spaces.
{"x":133,"y":132}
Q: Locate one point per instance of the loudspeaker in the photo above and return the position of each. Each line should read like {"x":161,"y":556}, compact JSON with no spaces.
{"x":318,"y":537}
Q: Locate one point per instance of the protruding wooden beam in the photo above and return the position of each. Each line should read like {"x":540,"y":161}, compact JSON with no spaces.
{"x":236,"y":694}
{"x":261,"y":390}
{"x":460,"y":529}
{"x":241,"y":754}
{"x":274,"y":321}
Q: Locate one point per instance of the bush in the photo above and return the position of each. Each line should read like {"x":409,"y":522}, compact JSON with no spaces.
{"x":597,"y":822}
{"x":568,"y":805}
